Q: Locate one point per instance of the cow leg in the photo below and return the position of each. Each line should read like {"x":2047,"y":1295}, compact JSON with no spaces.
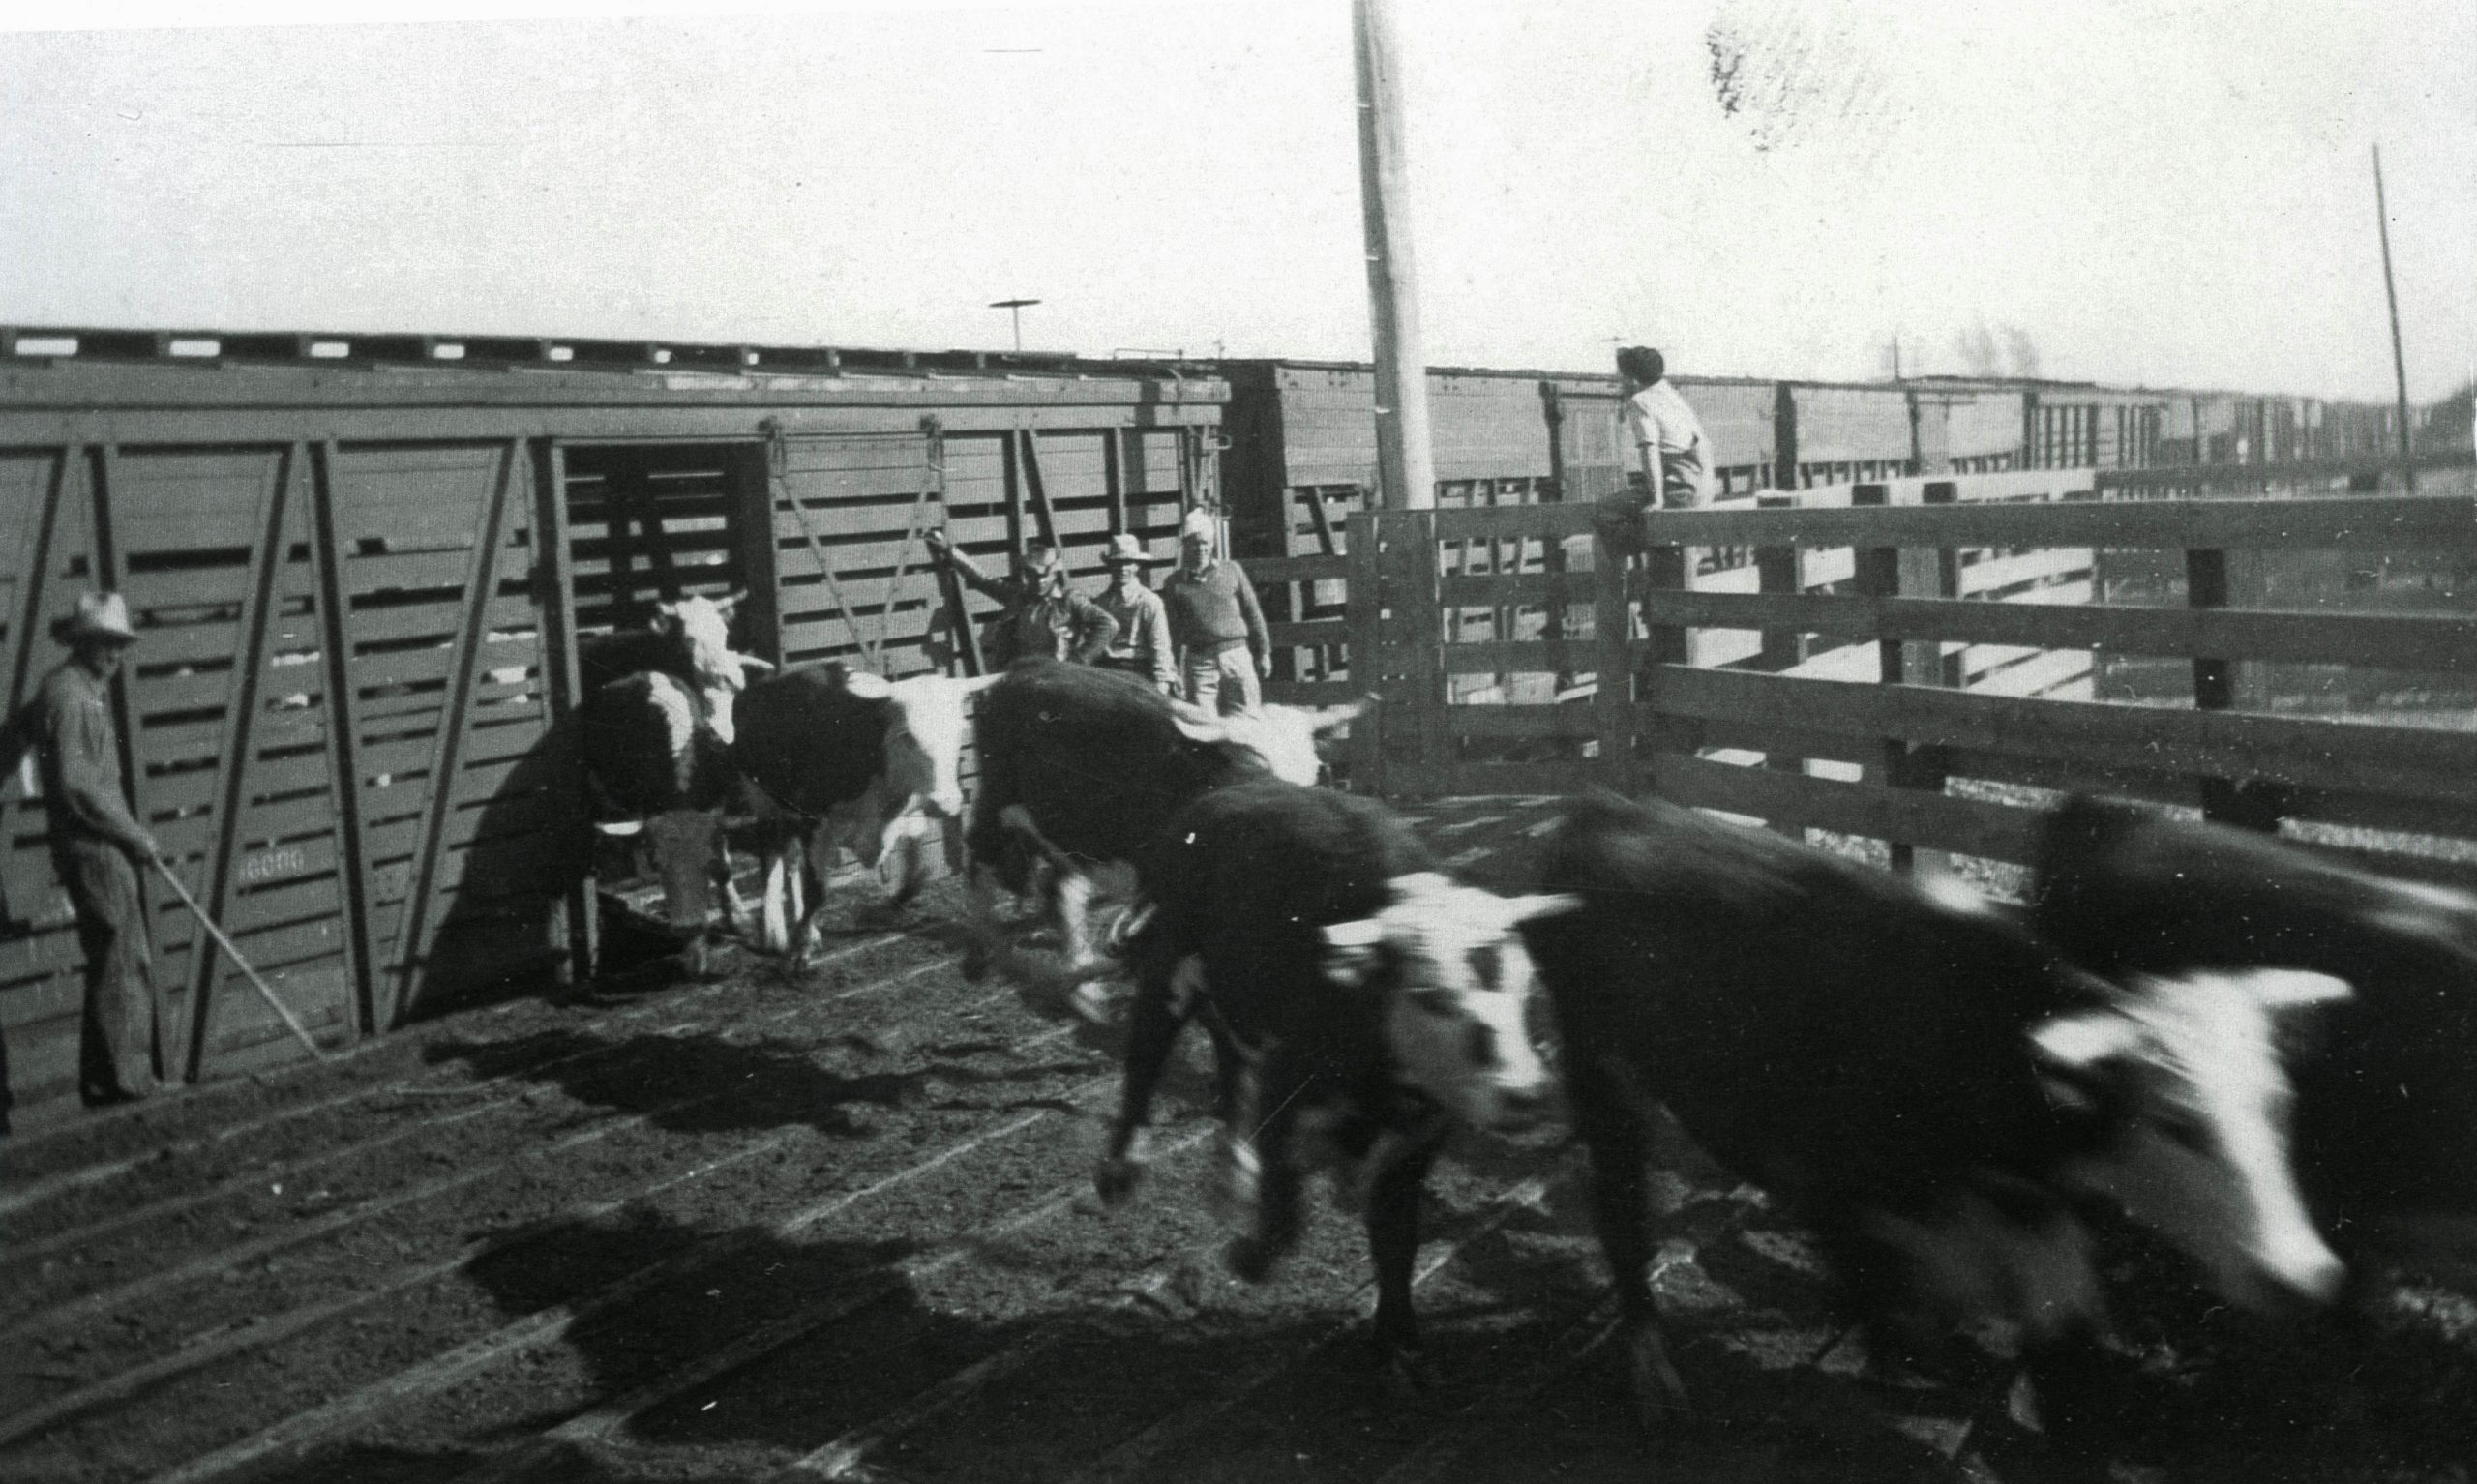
{"x":778,"y":901}
{"x":1152,"y":1030}
{"x":1277,"y":1184}
{"x":1070,"y":903}
{"x":1393,"y":1241}
{"x":981,"y":932}
{"x":1610,"y":1120}
{"x":734,"y":905}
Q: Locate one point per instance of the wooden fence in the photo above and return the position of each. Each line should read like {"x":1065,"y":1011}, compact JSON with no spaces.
{"x":1904,"y":660}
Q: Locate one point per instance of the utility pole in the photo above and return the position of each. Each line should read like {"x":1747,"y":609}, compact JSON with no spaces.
{"x":1405,"y":455}
{"x":2399,"y":365}
{"x":1014,"y":306}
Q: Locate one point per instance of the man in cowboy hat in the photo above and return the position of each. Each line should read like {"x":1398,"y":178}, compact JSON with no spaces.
{"x":1143,"y":647}
{"x":98,"y":846}
{"x":1042,"y":614}
{"x":1215,"y":619}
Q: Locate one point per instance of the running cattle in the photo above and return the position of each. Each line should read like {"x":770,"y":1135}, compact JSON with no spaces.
{"x":654,"y":728}
{"x":2386,"y":1138}
{"x":1917,"y":1079}
{"x":1083,"y":766}
{"x":1360,"y":1004}
{"x":836,"y":757}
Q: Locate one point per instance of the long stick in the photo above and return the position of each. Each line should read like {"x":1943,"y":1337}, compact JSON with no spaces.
{"x":284,"y":1011}
{"x":2399,"y":364}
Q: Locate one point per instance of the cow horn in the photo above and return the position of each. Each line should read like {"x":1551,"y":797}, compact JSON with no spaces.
{"x":2086,"y":1039}
{"x":754,"y":662}
{"x":730,"y":601}
{"x":1195,"y":724}
{"x":1540,"y":905}
{"x":2290,"y":989}
{"x":1359,"y":933}
{"x":1331,"y":716}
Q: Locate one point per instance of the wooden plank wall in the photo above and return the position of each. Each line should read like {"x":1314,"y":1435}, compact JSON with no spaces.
{"x":868,"y":496}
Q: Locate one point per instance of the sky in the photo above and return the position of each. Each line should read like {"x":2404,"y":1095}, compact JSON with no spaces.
{"x":2165,"y":193}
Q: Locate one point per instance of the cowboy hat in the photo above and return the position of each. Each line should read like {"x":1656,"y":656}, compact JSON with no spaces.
{"x":1199,"y":522}
{"x":98,"y":615}
{"x":1124,"y":548}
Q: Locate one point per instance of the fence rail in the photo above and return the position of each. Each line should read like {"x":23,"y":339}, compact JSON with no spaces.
{"x":1908,"y":659}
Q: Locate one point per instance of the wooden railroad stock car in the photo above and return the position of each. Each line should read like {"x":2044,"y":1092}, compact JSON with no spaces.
{"x":361,"y":566}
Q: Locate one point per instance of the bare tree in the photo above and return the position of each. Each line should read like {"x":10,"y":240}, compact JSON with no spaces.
{"x":2021,"y":352}
{"x":1976,"y":346}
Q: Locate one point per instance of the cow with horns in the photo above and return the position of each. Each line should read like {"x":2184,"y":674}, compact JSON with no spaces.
{"x":1082,"y":767}
{"x":1920,"y":1079}
{"x":2385,"y":1082}
{"x":839,"y":757}
{"x":655,"y":727}
{"x":1363,"y":1007}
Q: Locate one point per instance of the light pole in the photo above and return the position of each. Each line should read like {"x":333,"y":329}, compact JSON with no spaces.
{"x":1014,"y":306}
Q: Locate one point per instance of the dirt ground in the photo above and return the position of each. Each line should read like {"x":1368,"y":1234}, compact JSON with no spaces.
{"x":836,"y":1224}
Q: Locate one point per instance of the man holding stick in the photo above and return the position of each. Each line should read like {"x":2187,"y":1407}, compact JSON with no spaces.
{"x":99,"y":848}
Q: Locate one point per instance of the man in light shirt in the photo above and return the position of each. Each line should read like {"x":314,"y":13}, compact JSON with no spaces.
{"x":1143,"y":647}
{"x":1667,"y":458}
{"x":1214,"y":618}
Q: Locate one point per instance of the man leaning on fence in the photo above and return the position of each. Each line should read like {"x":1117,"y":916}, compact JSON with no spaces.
{"x":99,"y":848}
{"x":1216,"y":621}
{"x":1042,"y":615}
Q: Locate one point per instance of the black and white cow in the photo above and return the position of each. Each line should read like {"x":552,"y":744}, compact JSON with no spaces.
{"x":689,"y":642}
{"x":1362,"y":1004}
{"x":1095,"y":762}
{"x":2385,"y":1125}
{"x":654,"y":728}
{"x":839,"y":757}
{"x":1921,"y":1080}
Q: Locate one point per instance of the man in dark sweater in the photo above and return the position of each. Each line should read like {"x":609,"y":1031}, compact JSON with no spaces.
{"x":1215,"y":622}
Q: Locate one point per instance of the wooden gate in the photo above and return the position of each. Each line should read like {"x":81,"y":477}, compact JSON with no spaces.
{"x":1914,"y":660}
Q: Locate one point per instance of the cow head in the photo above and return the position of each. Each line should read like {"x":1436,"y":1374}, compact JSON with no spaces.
{"x":924,"y":734}
{"x":2185,"y":1076}
{"x":1284,"y":737}
{"x":701,"y":626}
{"x":1456,"y":982}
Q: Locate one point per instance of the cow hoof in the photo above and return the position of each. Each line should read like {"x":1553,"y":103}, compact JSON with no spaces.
{"x":1249,"y":1259}
{"x":1404,"y":1372}
{"x":1658,"y":1392}
{"x":1116,"y":1179}
{"x":1088,"y":1003}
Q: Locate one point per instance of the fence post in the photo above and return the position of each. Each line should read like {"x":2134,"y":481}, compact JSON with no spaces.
{"x":1776,"y":571}
{"x":1612,"y":634}
{"x":1891,"y":572}
{"x":1429,"y":630}
{"x":1363,"y":602}
{"x":2250,"y":804}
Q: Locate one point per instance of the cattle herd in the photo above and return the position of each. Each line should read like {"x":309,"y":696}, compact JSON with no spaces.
{"x":2264,"y":1058}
